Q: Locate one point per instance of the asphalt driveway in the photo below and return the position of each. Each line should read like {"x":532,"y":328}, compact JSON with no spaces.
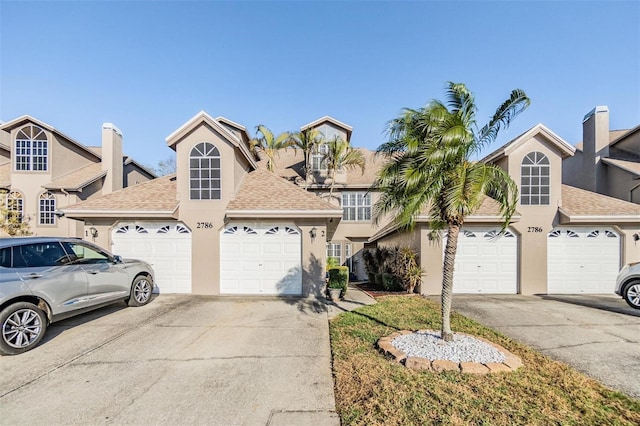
{"x":598,"y":335}
{"x":178,"y":360}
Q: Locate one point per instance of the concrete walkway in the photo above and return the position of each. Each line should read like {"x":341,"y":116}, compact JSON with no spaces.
{"x":355,"y":298}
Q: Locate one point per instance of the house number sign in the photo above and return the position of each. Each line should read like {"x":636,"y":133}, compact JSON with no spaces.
{"x":204,"y":225}
{"x":534,"y":229}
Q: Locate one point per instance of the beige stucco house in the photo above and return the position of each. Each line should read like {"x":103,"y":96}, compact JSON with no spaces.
{"x":606,"y":161}
{"x":224,"y":225}
{"x":563,"y":239}
{"x":42,"y":171}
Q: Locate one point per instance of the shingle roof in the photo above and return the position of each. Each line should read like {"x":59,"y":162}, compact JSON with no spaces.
{"x":265,"y":191}
{"x":613,"y":136}
{"x":157,"y":196}
{"x":578,"y":202}
{"x":78,"y":178}
{"x":630,"y":166}
{"x":290,"y":165}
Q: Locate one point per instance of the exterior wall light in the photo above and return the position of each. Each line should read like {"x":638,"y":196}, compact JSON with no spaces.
{"x":94,"y":232}
{"x":313,"y":232}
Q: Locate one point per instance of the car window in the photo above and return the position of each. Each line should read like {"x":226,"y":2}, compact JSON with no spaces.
{"x":39,"y":255}
{"x":85,"y":254}
{"x":5,"y":257}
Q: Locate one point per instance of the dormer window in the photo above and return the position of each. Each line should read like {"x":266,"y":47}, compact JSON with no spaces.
{"x":317,"y":159}
{"x":534,"y":180}
{"x":204,"y":172}
{"x":32,"y":149}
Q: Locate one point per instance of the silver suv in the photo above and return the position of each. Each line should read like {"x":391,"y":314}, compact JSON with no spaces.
{"x":628,"y":284}
{"x":47,"y":279}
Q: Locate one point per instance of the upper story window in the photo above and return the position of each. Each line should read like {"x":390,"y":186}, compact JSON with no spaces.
{"x":32,"y":149}
{"x":46,"y":209}
{"x":204,"y":172}
{"x":317,"y":159}
{"x":15,"y":207}
{"x":534,"y":180}
{"x":356,"y":206}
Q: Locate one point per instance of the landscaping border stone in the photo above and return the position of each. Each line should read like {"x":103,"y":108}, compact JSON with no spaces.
{"x":510,"y":364}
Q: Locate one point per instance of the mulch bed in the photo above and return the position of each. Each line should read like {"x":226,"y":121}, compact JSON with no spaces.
{"x":373,"y":291}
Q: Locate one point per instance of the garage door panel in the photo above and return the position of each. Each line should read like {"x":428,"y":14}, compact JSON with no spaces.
{"x":485,"y":263}
{"x":582,"y":260}
{"x":164,"y":245}
{"x":271,"y":259}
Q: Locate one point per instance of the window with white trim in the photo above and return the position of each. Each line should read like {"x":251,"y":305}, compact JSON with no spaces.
{"x":534,"y":179}
{"x":46,"y":209}
{"x":15,"y":206}
{"x":31,"y":149}
{"x":334,"y":250}
{"x":204,"y":172}
{"x":356,"y":206}
{"x":317,"y":158}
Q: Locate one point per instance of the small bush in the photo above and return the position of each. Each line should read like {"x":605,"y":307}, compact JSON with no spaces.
{"x":339,"y":278}
{"x":378,"y":280}
{"x":391,"y":282}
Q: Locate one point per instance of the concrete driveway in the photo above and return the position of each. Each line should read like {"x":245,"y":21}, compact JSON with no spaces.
{"x":598,"y":335}
{"x":178,"y":360}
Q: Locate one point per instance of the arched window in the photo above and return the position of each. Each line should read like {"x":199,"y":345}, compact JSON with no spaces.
{"x":534,"y":180}
{"x":32,"y":149}
{"x":204,"y":172}
{"x":15,"y":207}
{"x":46,"y":209}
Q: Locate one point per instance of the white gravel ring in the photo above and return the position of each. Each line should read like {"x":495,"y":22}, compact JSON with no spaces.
{"x":429,"y":345}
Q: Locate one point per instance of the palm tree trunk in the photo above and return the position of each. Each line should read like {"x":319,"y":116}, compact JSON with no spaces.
{"x":333,"y":181}
{"x":307,"y":169}
{"x":447,"y":281}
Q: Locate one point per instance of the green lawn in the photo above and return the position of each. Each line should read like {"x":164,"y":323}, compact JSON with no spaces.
{"x":374,"y":390}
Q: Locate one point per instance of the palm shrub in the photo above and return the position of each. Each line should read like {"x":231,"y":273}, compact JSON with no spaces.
{"x":370,"y":265}
{"x":431,"y":170}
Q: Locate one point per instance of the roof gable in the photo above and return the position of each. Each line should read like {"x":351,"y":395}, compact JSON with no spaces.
{"x":328,"y":119}
{"x":565,"y":149}
{"x":10,"y":125}
{"x":203,"y":118}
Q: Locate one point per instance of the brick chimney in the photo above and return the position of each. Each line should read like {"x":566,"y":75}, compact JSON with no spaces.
{"x":112,"y":158}
{"x":595,"y":146}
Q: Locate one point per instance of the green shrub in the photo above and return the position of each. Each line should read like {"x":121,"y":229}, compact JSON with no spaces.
{"x":372,"y":278}
{"x":339,"y":278}
{"x":391,"y":282}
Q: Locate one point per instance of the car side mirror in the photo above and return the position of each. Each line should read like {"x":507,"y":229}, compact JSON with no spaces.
{"x":117,"y":258}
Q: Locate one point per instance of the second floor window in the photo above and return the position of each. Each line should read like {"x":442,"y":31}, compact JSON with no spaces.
{"x":356,"y":206}
{"x":317,"y":158}
{"x":47,"y":209}
{"x":534,"y":180}
{"x":204,"y":172}
{"x":32,"y":149}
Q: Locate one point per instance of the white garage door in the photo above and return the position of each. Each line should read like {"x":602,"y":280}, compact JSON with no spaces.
{"x":166,"y":246}
{"x":485,"y":262}
{"x":260,"y":259}
{"x":582,"y":260}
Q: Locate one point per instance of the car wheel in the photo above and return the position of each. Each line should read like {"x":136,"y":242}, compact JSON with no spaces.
{"x":631,"y":294}
{"x":23,"y":326}
{"x":140,"y":291}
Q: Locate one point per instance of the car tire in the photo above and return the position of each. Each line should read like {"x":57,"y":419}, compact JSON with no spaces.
{"x":141,"y":289}
{"x":22,"y":325}
{"x":631,"y":294}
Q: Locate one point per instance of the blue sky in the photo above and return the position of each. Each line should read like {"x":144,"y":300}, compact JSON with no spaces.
{"x":149,"y":66}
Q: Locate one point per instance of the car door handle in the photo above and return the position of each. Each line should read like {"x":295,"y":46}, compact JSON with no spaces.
{"x":32,"y":275}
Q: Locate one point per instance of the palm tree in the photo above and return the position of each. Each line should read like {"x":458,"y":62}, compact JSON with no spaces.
{"x":308,"y":141}
{"x":340,"y":156}
{"x":430,"y":169}
{"x":269,"y":144}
